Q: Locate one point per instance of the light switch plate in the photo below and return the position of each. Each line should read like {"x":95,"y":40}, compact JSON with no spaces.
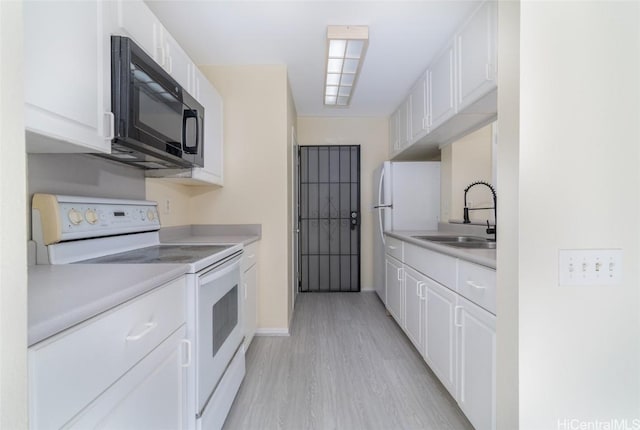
{"x":590,"y":267}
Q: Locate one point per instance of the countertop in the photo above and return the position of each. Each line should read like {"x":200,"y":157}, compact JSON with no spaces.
{"x":63,"y":295}
{"x":484,"y":257}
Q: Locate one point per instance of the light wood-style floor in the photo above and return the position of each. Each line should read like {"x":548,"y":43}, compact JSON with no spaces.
{"x":346,"y":366}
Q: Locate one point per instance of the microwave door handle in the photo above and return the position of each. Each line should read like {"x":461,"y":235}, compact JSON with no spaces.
{"x":190,"y":114}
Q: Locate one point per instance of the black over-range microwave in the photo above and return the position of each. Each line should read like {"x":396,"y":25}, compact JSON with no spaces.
{"x":158,"y":125}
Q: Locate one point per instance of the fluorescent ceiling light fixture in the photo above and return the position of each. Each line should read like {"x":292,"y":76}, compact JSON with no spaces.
{"x":346,"y":47}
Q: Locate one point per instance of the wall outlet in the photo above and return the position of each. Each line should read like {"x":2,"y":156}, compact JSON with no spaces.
{"x":590,"y":267}
{"x":167,"y":206}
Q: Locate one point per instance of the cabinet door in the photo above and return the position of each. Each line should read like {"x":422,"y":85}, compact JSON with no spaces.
{"x":178,"y":63}
{"x":440,"y":333}
{"x":65,"y":71}
{"x":212,"y":172}
{"x":137,"y":20}
{"x":152,"y":395}
{"x":476,"y":350}
{"x":394,"y":279}
{"x":250,"y":310}
{"x":419,"y":109}
{"x":441,"y":91}
{"x":393,"y":133}
{"x":476,"y":55}
{"x":404,"y":131}
{"x":414,"y":305}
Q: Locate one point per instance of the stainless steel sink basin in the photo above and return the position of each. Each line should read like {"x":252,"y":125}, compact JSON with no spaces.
{"x":468,"y":242}
{"x":472,"y":245}
{"x":461,"y":239}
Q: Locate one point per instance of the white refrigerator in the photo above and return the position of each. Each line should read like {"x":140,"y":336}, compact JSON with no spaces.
{"x":406,"y":197}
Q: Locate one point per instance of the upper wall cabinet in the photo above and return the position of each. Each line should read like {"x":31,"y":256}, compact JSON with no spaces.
{"x":419,"y":121}
{"x":441,"y":78}
{"x":476,"y":55}
{"x":460,"y":88}
{"x":66,"y":67}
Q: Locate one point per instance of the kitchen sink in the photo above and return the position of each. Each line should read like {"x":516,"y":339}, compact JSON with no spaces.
{"x":468,"y":242}
{"x":460,"y":239}
{"x":472,"y":245}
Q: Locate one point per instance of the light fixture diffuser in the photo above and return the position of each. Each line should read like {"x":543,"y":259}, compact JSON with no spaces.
{"x":346,"y":47}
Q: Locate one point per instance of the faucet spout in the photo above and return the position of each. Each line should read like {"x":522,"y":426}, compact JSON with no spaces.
{"x":495,"y":208}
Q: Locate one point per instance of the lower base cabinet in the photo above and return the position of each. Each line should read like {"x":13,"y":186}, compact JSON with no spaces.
{"x":476,"y":346}
{"x":150,"y":396}
{"x":250,"y":289}
{"x":440,"y":345}
{"x":394,"y":281}
{"x":456,"y":336}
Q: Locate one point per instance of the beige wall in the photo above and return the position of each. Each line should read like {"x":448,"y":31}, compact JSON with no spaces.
{"x":575,"y":139}
{"x":372,"y":136}
{"x":13,"y":224}
{"x":178,"y":197}
{"x":465,"y":161}
{"x":256,"y":179}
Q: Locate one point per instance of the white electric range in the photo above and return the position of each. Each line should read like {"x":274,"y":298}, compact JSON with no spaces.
{"x":85,"y":230}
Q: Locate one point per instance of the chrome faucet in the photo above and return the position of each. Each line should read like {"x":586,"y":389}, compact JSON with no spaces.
{"x":489,"y":230}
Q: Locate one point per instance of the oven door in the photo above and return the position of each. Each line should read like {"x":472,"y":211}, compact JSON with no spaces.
{"x":219,"y":326}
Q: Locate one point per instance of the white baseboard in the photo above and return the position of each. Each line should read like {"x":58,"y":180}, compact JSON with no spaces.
{"x":272,"y":332}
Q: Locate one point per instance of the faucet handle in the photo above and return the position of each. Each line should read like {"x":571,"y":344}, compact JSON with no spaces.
{"x":489,"y":229}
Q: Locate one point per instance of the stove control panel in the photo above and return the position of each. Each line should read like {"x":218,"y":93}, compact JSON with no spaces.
{"x":58,"y":218}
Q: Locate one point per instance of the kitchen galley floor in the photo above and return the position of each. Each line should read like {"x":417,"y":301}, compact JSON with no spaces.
{"x":346,"y":365}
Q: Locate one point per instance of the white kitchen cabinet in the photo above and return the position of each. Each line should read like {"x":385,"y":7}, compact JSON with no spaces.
{"x":137,"y":21}
{"x":440,"y":344}
{"x":414,"y":307}
{"x":250,"y":286}
{"x":66,"y":68}
{"x":395,"y":287}
{"x":150,"y":396}
{"x":404,"y":125}
{"x":393,"y":133}
{"x":419,"y":121}
{"x":441,"y":75}
{"x":178,"y":64}
{"x":113,"y":359}
{"x":476,"y":350}
{"x":476,"y":55}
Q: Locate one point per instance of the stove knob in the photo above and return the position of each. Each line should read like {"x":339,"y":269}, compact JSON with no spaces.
{"x":91,"y":216}
{"x":151,"y":215}
{"x":74,"y":216}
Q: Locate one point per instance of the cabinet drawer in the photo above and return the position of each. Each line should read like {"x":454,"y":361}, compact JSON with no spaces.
{"x":478,"y":284}
{"x":435,"y":265}
{"x":71,"y":369}
{"x":394,"y":247}
{"x":250,"y":256}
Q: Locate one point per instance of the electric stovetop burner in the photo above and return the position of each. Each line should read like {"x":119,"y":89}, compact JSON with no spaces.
{"x":158,"y":254}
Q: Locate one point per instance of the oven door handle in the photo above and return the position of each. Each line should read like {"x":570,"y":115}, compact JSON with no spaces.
{"x":220,"y":270}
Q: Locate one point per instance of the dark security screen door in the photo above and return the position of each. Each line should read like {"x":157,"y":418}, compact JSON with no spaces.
{"x":329,"y":218}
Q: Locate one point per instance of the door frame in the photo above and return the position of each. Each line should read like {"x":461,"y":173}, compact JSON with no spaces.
{"x":299,"y":220}
{"x":295,"y":224}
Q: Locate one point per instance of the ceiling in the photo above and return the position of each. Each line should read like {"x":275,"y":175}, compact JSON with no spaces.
{"x":403,"y":37}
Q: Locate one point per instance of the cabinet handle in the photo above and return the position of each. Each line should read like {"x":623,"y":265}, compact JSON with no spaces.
{"x":170,"y":64}
{"x":112,"y":125}
{"x":489,"y":72}
{"x":245,"y":291}
{"x":187,"y":344}
{"x":400,"y":274}
{"x":419,"y":290}
{"x":474,"y":285}
{"x":455,"y":316}
{"x":251,"y":257}
{"x":392,"y":247}
{"x":148,"y":327}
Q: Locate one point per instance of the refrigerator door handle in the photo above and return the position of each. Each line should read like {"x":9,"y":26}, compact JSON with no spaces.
{"x":380,"y":206}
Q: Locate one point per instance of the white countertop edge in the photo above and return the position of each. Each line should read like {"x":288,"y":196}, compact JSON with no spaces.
{"x":216,"y":239}
{"x":48,"y":315}
{"x":484,"y":257}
